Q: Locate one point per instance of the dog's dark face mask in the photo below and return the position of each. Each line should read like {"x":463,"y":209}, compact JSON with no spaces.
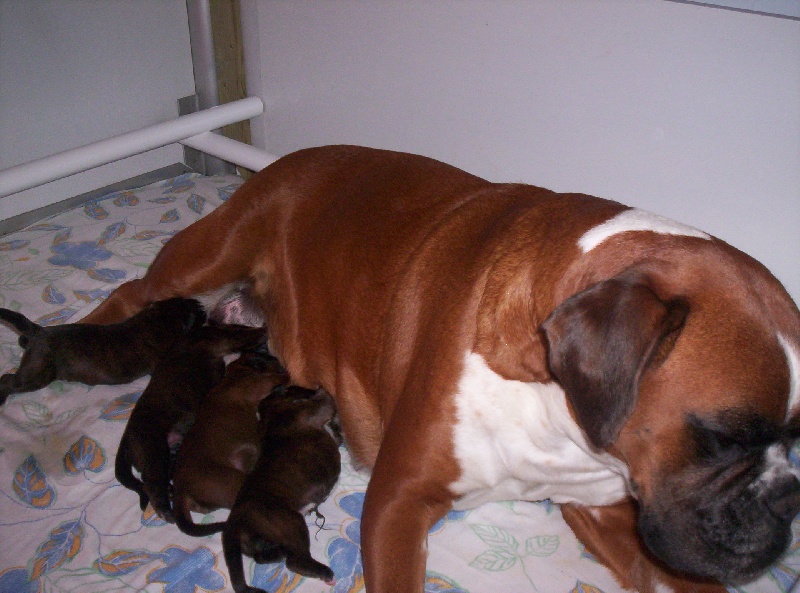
{"x":728,"y":515}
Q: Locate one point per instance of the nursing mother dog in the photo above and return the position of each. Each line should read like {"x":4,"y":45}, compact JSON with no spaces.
{"x":492,"y":341}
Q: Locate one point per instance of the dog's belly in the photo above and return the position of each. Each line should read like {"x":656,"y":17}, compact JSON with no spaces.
{"x":517,"y":441}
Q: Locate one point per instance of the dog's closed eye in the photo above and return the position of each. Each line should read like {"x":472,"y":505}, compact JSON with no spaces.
{"x":735,"y":434}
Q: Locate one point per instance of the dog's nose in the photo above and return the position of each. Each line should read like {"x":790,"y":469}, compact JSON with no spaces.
{"x":783,"y":497}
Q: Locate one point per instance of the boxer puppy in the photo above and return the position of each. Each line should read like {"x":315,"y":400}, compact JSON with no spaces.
{"x":489,"y":341}
{"x":178,"y":385}
{"x":297,"y":469}
{"x":97,"y":355}
{"x":223,"y":444}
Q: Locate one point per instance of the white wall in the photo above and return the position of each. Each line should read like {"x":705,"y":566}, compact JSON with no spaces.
{"x":689,"y":111}
{"x":76,"y":72}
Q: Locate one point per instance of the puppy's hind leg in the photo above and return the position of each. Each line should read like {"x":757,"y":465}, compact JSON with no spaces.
{"x":288,"y":530}
{"x":232,"y":550}
{"x":36,"y":370}
{"x":123,"y":471}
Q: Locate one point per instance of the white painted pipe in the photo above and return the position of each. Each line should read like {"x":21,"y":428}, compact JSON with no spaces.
{"x":229,"y":150}
{"x":21,"y":177}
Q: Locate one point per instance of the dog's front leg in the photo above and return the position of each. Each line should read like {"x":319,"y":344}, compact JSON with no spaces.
{"x":610,"y":534}
{"x":404,"y":499}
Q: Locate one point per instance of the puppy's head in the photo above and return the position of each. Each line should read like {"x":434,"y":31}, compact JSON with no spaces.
{"x":687,"y":378}
{"x":294,"y":408}
{"x":180,"y":313}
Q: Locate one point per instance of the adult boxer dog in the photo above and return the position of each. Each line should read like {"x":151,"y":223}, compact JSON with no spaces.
{"x":501,"y":341}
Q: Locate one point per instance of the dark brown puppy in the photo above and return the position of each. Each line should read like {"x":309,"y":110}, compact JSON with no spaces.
{"x":298,"y":467}
{"x":179,"y":383}
{"x":223,"y":444}
{"x":96,"y":354}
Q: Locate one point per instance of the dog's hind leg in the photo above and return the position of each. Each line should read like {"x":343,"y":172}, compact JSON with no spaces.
{"x":123,"y":471}
{"x":285,"y":528}
{"x":211,"y":253}
{"x":36,"y":371}
{"x":155,"y":478}
{"x":232,"y":550}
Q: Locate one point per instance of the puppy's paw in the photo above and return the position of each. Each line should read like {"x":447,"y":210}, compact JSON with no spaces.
{"x":6,"y":387}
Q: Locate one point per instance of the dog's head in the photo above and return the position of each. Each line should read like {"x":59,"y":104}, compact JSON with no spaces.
{"x":294,"y":408}
{"x":177,"y":313}
{"x":687,"y":372}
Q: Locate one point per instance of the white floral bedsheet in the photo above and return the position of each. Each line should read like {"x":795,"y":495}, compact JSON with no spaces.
{"x":66,"y":525}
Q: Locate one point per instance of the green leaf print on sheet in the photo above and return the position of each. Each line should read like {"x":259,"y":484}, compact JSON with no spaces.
{"x":505,"y":553}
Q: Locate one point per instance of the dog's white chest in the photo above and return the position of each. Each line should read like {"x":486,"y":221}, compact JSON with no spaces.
{"x":517,"y":441}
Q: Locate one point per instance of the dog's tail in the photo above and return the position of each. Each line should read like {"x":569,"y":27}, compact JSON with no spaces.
{"x":183,"y":519}
{"x":21,"y":324}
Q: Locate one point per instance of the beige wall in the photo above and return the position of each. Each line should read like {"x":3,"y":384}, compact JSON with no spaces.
{"x":73,"y":72}
{"x":689,"y":111}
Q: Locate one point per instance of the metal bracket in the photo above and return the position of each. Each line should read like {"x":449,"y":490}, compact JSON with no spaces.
{"x":198,"y":161}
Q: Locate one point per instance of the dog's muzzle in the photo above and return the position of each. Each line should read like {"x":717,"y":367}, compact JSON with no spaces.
{"x":726,"y":523}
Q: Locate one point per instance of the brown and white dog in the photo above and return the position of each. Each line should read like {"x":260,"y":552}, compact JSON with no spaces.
{"x":500,"y":341}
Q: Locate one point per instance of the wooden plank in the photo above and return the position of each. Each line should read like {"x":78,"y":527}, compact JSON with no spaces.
{"x":229,"y":57}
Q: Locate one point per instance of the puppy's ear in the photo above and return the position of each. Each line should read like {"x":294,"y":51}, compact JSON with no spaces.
{"x":600,"y":342}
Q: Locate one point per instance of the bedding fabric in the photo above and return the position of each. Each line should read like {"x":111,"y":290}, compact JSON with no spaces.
{"x":67,"y":525}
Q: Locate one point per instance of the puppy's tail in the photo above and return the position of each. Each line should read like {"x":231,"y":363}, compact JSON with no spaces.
{"x":21,"y":324}
{"x":183,"y":519}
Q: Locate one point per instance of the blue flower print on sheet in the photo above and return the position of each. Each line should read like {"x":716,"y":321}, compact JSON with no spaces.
{"x":275,"y":578}
{"x":112,"y":231}
{"x":196,"y":203}
{"x":345,"y":551}
{"x":435,"y":583}
{"x":226,"y":192}
{"x":124,"y":198}
{"x":84,"y":255}
{"x":17,"y":580}
{"x":87,"y":254}
{"x":581,"y":587}
{"x":120,"y":408}
{"x":15,"y":244}
{"x":185,"y":571}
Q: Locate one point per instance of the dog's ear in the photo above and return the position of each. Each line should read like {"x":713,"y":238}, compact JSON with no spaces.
{"x":600,"y":342}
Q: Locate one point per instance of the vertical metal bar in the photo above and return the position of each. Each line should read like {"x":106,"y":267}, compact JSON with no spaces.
{"x":205,"y":71}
